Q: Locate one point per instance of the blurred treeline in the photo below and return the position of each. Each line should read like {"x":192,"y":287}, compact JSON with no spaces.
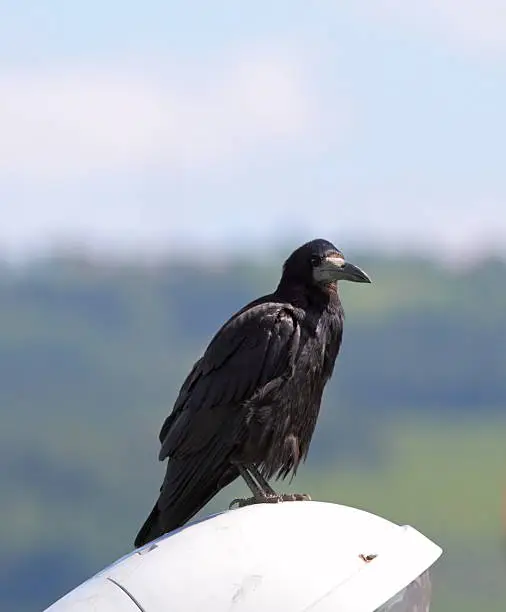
{"x":92,"y":354}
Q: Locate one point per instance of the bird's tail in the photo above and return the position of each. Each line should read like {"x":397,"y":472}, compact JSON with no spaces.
{"x":151,"y":529}
{"x":184,"y":493}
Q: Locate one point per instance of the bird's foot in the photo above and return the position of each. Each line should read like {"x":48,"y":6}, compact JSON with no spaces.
{"x":295,"y":497}
{"x":242,"y":502}
{"x":269,"y":499}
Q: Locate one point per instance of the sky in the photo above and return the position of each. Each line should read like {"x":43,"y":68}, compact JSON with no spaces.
{"x":200,"y":126}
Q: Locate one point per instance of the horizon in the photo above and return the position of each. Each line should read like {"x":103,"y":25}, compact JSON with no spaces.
{"x":257,"y":255}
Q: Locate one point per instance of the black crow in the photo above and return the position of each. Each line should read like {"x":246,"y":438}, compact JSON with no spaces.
{"x":249,"y":405}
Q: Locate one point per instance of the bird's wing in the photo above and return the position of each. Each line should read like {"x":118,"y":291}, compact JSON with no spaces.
{"x":253,"y":353}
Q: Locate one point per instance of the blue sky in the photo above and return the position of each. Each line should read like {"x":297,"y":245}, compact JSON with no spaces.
{"x":218,"y":125}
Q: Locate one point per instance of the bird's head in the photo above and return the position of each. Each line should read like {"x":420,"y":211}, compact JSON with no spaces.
{"x":319,"y":262}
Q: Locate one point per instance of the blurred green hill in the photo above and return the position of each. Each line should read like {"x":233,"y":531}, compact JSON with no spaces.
{"x":92,"y":354}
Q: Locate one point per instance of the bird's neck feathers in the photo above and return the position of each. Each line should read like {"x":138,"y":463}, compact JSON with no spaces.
{"x":300,"y":293}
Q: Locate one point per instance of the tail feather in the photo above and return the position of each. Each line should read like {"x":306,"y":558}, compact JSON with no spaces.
{"x":151,"y":529}
{"x":186,"y":490}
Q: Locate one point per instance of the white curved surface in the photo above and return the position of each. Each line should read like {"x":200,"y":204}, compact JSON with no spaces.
{"x":296,"y":556}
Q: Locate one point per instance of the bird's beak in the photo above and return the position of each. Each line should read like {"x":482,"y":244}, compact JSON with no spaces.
{"x":334,"y":268}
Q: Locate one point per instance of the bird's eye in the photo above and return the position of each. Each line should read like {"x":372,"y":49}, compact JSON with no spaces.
{"x":316,"y":260}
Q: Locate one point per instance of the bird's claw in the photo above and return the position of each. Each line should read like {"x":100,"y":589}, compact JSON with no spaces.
{"x":241,"y":502}
{"x":269,"y":499}
{"x":295,"y":497}
{"x":235,"y":503}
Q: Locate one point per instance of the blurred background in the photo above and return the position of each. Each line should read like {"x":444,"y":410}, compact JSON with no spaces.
{"x":157,"y":164}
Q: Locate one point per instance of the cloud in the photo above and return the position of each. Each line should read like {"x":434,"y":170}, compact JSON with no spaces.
{"x":70,"y":122}
{"x":472,"y":25}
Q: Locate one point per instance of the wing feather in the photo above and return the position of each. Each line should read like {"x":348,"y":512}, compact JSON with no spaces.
{"x":252,"y":354}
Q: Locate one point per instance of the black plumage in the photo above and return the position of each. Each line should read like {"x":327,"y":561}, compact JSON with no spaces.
{"x":249,"y":405}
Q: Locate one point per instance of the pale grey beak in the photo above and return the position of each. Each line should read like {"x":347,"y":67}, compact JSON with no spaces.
{"x":336,"y":268}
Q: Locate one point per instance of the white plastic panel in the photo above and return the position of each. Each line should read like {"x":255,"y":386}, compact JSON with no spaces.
{"x":294,"y":556}
{"x":96,"y":595}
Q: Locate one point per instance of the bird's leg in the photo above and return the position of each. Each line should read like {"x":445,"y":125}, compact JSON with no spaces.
{"x":256,"y":488}
{"x":283,"y":496}
{"x":261,"y":493}
{"x":261,"y":489}
{"x":261,"y":480}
